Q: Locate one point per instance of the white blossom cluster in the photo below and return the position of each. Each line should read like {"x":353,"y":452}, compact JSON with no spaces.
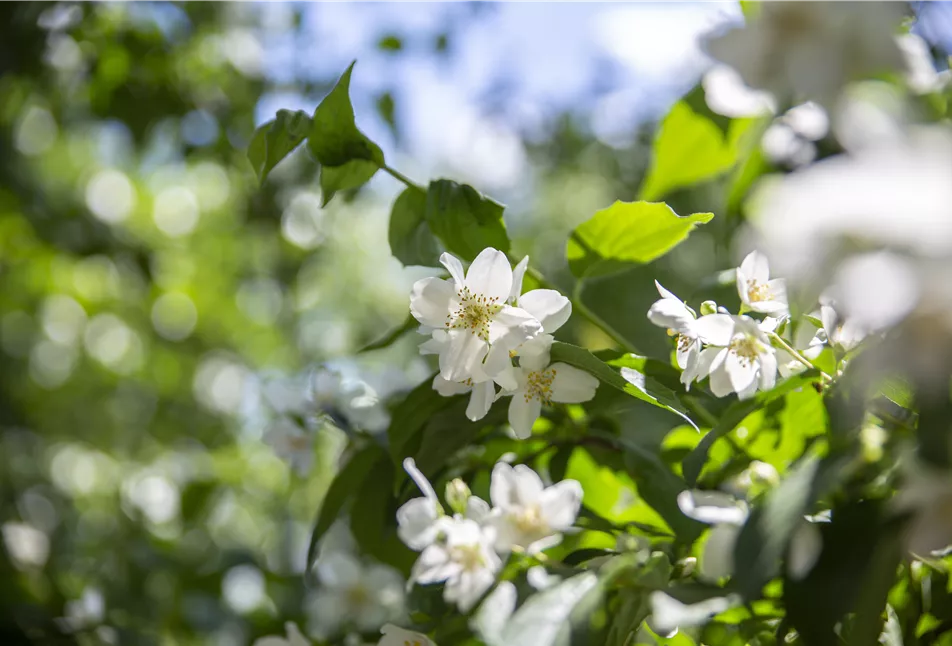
{"x":466,"y":549}
{"x":741,"y":354}
{"x":479,"y":321}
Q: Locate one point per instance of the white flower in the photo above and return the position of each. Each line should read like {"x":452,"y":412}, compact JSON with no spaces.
{"x":480,"y":384}
{"x":800,"y":50}
{"x":538,"y":382}
{"x":291,"y":443}
{"x":418,"y":519}
{"x":294,"y":638}
{"x":757,"y":292}
{"x":726,"y":515}
{"x":547,"y":306}
{"x":352,"y":593}
{"x":396,"y":636}
{"x":672,"y":313}
{"x":472,"y":308}
{"x":841,"y":332}
{"x":808,"y":341}
{"x":464,"y":558}
{"x":741,"y":359}
{"x":668,"y":614}
{"x":526,"y":513}
{"x":727,"y":94}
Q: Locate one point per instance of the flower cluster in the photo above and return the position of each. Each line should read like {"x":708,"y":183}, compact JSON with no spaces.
{"x":467,"y":549}
{"x":480,"y":323}
{"x":741,"y":354}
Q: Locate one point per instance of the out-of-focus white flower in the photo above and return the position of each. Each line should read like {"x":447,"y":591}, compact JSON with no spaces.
{"x":28,"y":547}
{"x":418,"y":519}
{"x":926,"y":493}
{"x":464,"y":559}
{"x":672,"y":313}
{"x":526,"y":513}
{"x":668,"y":614}
{"x":354,"y":594}
{"x":538,"y":382}
{"x":876,"y":290}
{"x":921,"y":74}
{"x":727,"y":94}
{"x":740,"y":358}
{"x":789,"y":139}
{"x":757,"y":291}
{"x":481,"y":328}
{"x":804,"y":217}
{"x":396,"y":636}
{"x":801,"y":50}
{"x":294,"y":638}
{"x":726,"y":515}
{"x":343,"y":389}
{"x":540,"y":579}
{"x":841,"y":332}
{"x":291,"y":443}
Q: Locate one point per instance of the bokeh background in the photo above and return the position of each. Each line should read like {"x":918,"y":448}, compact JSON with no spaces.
{"x":159,"y":308}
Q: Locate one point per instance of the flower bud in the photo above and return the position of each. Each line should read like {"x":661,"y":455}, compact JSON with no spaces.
{"x":708,"y":307}
{"x":457,"y":493}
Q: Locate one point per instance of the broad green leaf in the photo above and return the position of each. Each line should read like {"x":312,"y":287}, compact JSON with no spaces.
{"x":465,"y":220}
{"x":763,"y":540}
{"x":626,"y":234}
{"x":690,"y":148}
{"x":353,"y":174}
{"x":628,"y":378}
{"x":334,"y":138}
{"x":372,"y":524}
{"x":694,"y":462}
{"x":411,"y":241}
{"x":410,"y":418}
{"x":274,"y":140}
{"x":660,"y":487}
{"x":342,"y":489}
{"x":610,"y":494}
{"x":390,"y":337}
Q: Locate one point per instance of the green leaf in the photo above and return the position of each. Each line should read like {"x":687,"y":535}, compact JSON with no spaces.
{"x":626,"y":234}
{"x":274,"y":140}
{"x":351,"y":175}
{"x":390,"y":337}
{"x":334,"y":138}
{"x":690,"y":148}
{"x":629,"y":378}
{"x":693,"y":463}
{"x":372,"y":527}
{"x":410,"y":418}
{"x":411,"y":241}
{"x":465,"y":220}
{"x":764,"y":538}
{"x":342,"y":489}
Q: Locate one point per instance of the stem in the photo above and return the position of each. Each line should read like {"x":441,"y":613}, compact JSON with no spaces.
{"x":583,"y":310}
{"x":401,"y":177}
{"x":779,"y":342}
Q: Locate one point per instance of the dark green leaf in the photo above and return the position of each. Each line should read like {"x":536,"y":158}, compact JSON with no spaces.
{"x":411,"y":241}
{"x":387,"y":111}
{"x":693,"y":463}
{"x":410,"y":418}
{"x":390,"y":337}
{"x":628,"y":378}
{"x":465,"y":220}
{"x":627,"y":234}
{"x":372,"y":525}
{"x":390,"y":43}
{"x":342,"y":489}
{"x":273,"y":141}
{"x":766,"y":534}
{"x":334,"y":138}
{"x":351,"y":175}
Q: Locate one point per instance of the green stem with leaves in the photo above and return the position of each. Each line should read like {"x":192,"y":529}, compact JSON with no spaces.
{"x":778,"y":342}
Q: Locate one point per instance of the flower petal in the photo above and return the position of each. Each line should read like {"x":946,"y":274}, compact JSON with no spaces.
{"x":430,"y":301}
{"x":560,"y":504}
{"x":534,"y":353}
{"x":434,"y":565}
{"x":409,"y":465}
{"x":523,"y":414}
{"x":416,"y":523}
{"x":490,"y":275}
{"x":742,"y":372}
{"x":571,"y":385}
{"x":712,"y":507}
{"x":481,"y":400}
{"x":513,"y":326}
{"x":528,"y":486}
{"x":717,"y":560}
{"x":665,"y":293}
{"x":518,"y":272}
{"x":720,"y":381}
{"x":449,"y":388}
{"x":768,"y":370}
{"x":339,"y":570}
{"x":455,"y":267}
{"x":551,"y":308}
{"x":708,"y":360}
{"x":464,"y":351}
{"x":715,"y":329}
{"x":501,"y":485}
{"x":670,"y":314}
{"x":756,"y":267}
